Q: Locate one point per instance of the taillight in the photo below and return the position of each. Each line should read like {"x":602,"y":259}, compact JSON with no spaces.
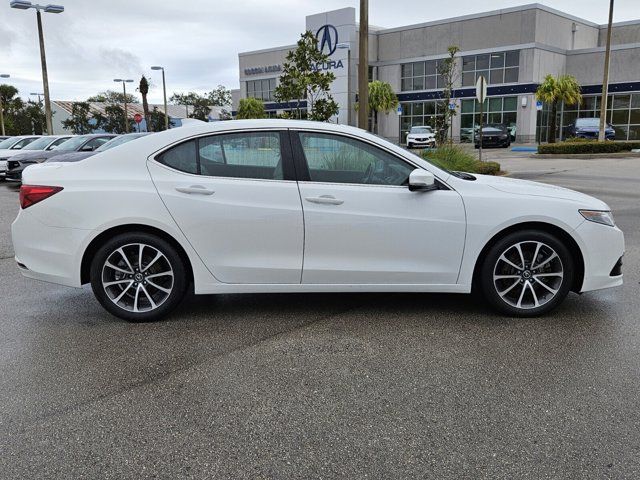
{"x":32,"y":194}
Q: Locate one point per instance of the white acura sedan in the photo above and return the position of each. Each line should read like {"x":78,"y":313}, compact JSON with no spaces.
{"x":295,"y":206}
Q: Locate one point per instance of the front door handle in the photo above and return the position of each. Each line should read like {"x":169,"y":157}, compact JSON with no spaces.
{"x":325,"y":200}
{"x":195,"y":189}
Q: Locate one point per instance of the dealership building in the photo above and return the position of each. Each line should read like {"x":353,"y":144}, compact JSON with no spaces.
{"x":513,"y":49}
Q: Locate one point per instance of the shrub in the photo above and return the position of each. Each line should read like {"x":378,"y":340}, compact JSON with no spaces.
{"x":582,"y":147}
{"x":455,"y":159}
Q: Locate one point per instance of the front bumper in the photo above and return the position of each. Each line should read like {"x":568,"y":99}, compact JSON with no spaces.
{"x":494,"y":141}
{"x":421,"y":142}
{"x":602,"y":250}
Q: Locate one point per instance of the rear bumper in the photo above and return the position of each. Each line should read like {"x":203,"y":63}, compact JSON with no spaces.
{"x":603,"y":250}
{"x":51,"y":254}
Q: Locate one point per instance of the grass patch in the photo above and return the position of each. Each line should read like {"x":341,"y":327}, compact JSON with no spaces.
{"x":456,"y":159}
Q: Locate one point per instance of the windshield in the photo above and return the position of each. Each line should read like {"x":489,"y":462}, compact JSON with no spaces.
{"x":421,"y":130}
{"x":72,"y":144}
{"x":588,"y":122}
{"x":7,"y":143}
{"x":40,"y":144}
{"x":119,"y":141}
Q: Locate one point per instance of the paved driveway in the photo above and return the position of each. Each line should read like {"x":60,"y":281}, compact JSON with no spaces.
{"x":327,"y":386}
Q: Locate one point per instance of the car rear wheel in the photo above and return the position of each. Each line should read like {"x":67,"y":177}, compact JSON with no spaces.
{"x":527,"y":273}
{"x":138,"y":277}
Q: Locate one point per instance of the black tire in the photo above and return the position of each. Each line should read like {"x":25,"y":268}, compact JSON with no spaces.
{"x":171,"y":259}
{"x":547,"y":274}
{"x":410,"y":145}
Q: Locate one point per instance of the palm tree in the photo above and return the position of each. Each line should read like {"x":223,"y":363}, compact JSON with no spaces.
{"x":143,"y":88}
{"x":381,"y":99}
{"x":554,"y":90}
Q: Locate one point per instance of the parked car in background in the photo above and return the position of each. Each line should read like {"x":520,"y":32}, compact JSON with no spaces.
{"x":493,"y":135}
{"x":589,"y":128}
{"x":258,"y":206}
{"x":81,"y":143}
{"x":421,"y":136}
{"x":114,"y":142}
{"x":10,"y":146}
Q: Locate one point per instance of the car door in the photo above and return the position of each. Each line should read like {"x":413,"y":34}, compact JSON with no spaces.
{"x":235,"y":198}
{"x":364,"y":226}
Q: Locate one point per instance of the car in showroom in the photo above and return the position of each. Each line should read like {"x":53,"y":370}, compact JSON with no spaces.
{"x":114,"y":142}
{"x":493,"y":135}
{"x":81,"y":143}
{"x":589,"y":128}
{"x":254,"y":206}
{"x":421,"y":136}
{"x":11,"y":146}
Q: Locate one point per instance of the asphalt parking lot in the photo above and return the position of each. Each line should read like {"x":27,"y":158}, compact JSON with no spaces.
{"x":327,"y":386}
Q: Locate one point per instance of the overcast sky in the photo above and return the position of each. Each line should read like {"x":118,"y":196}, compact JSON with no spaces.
{"x":197,"y":41}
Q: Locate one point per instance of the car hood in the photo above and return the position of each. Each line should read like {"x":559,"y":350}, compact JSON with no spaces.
{"x":71,"y":157}
{"x":39,"y":155}
{"x":10,"y":153}
{"x":594,"y":129}
{"x":515,"y":186}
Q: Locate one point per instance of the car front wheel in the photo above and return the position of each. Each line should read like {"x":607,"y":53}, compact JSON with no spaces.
{"x":138,"y":277}
{"x":527,"y":273}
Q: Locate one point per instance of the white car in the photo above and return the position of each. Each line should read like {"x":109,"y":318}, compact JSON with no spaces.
{"x":295,"y":206}
{"x":11,"y":146}
{"x":421,"y":136}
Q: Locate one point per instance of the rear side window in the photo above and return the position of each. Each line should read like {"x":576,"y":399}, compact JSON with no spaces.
{"x":182,"y":157}
{"x":241,"y":155}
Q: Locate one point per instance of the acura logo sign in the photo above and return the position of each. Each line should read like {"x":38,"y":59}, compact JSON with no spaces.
{"x":327,"y":36}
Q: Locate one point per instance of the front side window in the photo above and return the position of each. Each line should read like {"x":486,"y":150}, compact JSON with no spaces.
{"x":242,"y":155}
{"x":336,"y":159}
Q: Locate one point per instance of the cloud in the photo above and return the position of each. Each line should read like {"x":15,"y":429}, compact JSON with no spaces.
{"x":198,"y":42}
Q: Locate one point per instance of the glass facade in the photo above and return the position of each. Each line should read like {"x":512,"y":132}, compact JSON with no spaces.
{"x":497,"y":68}
{"x":503,"y":110}
{"x":261,"y":89}
{"x":623,"y":113}
{"x":421,"y":76}
{"x":418,"y":113}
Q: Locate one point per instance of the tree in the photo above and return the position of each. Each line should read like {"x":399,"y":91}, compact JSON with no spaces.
{"x":201,"y":105}
{"x":220,"y":96}
{"x":449,"y":74}
{"x":80,"y":120}
{"x":143,"y":88}
{"x":113,"y":120}
{"x":110,"y":96}
{"x":554,"y":90}
{"x":156,"y":120}
{"x":250,"y":108}
{"x":303,"y":78}
{"x":381,"y":99}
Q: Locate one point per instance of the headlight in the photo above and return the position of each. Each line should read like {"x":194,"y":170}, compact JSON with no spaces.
{"x":599,"y":216}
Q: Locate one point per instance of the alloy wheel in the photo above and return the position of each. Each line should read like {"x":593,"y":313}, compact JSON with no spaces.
{"x":137,"y":277}
{"x":528,"y":274}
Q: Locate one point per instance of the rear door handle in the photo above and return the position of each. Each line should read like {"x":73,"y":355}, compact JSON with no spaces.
{"x":325,"y":200}
{"x":195,"y":189}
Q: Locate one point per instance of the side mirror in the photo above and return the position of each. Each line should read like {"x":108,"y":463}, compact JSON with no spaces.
{"x":422,"y":181}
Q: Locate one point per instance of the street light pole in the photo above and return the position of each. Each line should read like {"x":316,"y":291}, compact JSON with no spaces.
{"x":39,"y":95}
{"x":124,"y":91}
{"x":605,"y":79}
{"x":2,"y":75}
{"x":164,"y":91}
{"x":25,"y":5}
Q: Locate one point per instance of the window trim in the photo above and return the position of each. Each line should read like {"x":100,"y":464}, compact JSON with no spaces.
{"x":288,"y":169}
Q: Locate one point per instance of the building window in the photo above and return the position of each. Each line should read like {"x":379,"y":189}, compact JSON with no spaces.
{"x":623,"y":113}
{"x":421,"y":76}
{"x":261,"y":89}
{"x":418,"y":114}
{"x":499,"y":110}
{"x":497,"y":68}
